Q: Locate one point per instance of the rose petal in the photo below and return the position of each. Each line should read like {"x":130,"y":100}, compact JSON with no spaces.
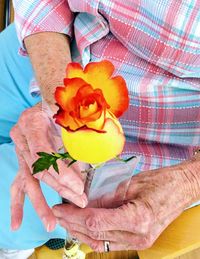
{"x":98,"y":75}
{"x":97,"y":124}
{"x":86,"y":112}
{"x":64,"y":94}
{"x":65,"y":120}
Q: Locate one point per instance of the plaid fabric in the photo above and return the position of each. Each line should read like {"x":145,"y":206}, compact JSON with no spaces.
{"x":155,"y":46}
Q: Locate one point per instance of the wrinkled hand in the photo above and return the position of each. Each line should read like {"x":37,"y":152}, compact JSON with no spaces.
{"x":154,"y":199}
{"x":33,"y":133}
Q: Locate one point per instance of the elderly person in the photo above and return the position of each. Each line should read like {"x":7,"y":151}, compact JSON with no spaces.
{"x":156,"y":47}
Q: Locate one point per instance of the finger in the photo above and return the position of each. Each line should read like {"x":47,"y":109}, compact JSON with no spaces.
{"x":17,"y":203}
{"x":21,"y":144}
{"x":39,"y":137}
{"x":63,"y":191}
{"x":129,"y":217}
{"x":68,"y":176}
{"x":71,"y":177}
{"x":122,"y":237}
{"x":34,"y":192}
{"x":40,"y":205}
{"x":98,"y":245}
{"x":89,"y":217}
{"x":73,"y":214}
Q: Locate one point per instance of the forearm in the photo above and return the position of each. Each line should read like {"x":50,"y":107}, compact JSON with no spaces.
{"x":49,"y":53}
{"x":190,"y":173}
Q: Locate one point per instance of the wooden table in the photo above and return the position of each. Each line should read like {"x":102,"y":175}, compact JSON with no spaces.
{"x":180,"y":240}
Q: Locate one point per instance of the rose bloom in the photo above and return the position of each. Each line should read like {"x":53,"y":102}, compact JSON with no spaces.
{"x":89,"y":103}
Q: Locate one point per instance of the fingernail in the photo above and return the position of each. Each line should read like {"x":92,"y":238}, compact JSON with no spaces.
{"x":81,"y":203}
{"x":13,"y":227}
{"x":84,"y":201}
{"x":46,"y":224}
{"x":48,"y":227}
{"x":15,"y":223}
{"x":51,"y":226}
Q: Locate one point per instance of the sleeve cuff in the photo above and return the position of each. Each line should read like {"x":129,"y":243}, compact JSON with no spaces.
{"x":46,"y":16}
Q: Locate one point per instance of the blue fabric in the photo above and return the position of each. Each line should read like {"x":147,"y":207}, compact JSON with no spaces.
{"x":15,"y":75}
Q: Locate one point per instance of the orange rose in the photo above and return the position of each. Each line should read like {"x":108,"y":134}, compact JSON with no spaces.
{"x":80,"y":107}
{"x":88,"y":104}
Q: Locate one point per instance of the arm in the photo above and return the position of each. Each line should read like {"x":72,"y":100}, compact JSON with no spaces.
{"x":191,"y":177}
{"x":43,"y":28}
{"x":49,"y":62}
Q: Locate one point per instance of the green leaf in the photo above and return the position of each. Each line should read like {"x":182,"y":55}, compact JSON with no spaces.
{"x":40,"y":165}
{"x":55,"y":166}
{"x":43,"y":154}
{"x":47,"y":160}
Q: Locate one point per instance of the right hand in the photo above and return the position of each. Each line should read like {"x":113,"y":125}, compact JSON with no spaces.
{"x":35,"y":132}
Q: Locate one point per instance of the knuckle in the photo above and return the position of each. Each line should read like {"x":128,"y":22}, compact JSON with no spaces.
{"x":97,"y":235}
{"x":13,"y":132}
{"x":60,"y":190}
{"x":23,"y":118}
{"x":92,"y":222}
{"x":23,"y":149}
{"x":30,"y":114}
{"x":17,"y":185}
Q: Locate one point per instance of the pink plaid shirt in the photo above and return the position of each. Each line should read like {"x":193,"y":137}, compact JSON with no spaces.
{"x":155,"y":46}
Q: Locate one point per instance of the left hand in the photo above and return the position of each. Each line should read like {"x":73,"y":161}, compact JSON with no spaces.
{"x":154,"y":199}
{"x":69,"y":183}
